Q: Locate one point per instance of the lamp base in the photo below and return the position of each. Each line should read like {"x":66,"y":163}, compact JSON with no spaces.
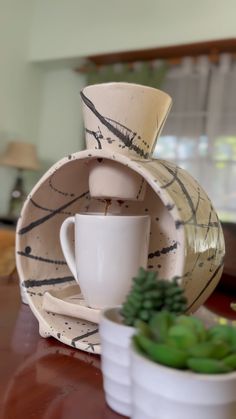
{"x":18,"y":196}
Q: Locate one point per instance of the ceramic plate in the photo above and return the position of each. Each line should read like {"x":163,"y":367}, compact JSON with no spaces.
{"x":69,"y":302}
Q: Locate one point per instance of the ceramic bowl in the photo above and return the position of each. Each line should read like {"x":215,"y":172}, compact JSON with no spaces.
{"x":186,"y":237}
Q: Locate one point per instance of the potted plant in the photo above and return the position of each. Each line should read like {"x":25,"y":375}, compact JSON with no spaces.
{"x":148,"y":295}
{"x":182,"y":370}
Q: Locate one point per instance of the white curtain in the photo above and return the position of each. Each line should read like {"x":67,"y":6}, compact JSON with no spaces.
{"x":187,"y":84}
{"x":200,"y":132}
{"x":222,"y":98}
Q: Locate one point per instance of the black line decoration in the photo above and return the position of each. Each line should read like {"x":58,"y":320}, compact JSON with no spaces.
{"x":42,"y":220}
{"x":47,"y":209}
{"x":58,"y":190}
{"x":41,"y":259}
{"x":166,"y":185}
{"x":31,"y":293}
{"x":214,"y":224}
{"x":91,"y":346}
{"x":192,"y":220}
{"x":125,"y":134}
{"x":31,"y":283}
{"x":184,"y":190}
{"x":169,"y":207}
{"x":163,"y":251}
{"x":97,"y":135}
{"x":208,"y":228}
{"x":140,"y":188}
{"x":206,"y":286}
{"x":85,"y":335}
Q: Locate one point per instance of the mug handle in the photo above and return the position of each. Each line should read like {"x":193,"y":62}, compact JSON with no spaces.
{"x":66,"y":245}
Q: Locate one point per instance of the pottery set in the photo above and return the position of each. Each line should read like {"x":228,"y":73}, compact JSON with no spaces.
{"x":114,"y":186}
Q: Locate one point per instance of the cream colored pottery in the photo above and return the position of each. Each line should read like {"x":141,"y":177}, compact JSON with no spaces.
{"x":107,"y":179}
{"x":159,"y":392}
{"x":115,"y":361}
{"x":69,"y":302}
{"x":186,"y":238}
{"x":122,"y":118}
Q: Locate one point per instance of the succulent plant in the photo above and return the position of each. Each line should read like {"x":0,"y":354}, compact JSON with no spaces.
{"x":183,"y":342}
{"x":150,"y":294}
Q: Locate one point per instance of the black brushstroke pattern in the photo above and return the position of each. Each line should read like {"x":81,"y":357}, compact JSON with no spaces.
{"x":214,"y":224}
{"x":47,"y":209}
{"x":58,"y":190}
{"x":166,"y":185}
{"x":193,"y":218}
{"x":211,"y":257}
{"x":31,"y":283}
{"x":206,"y":286}
{"x":208,"y":228}
{"x":41,"y":259}
{"x":31,"y":293}
{"x":185,"y":192}
{"x":163,"y":251}
{"x":85,"y":335}
{"x":129,"y":133}
{"x":97,"y":135}
{"x":169,"y":207}
{"x":42,"y":220}
{"x":140,"y":188}
{"x":91,"y":346}
{"x":118,"y":132}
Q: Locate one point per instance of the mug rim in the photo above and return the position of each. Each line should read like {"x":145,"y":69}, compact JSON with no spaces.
{"x":102,"y":215}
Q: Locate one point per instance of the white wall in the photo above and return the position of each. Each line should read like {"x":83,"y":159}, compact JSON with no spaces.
{"x":60,"y":130}
{"x":74,"y":28}
{"x":63,"y":31}
{"x":57,"y":32}
{"x":20,"y":84}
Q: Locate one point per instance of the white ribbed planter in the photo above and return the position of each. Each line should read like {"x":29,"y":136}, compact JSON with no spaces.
{"x":115,"y":342}
{"x":159,"y":392}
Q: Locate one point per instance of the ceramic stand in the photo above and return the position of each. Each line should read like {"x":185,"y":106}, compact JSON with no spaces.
{"x":186,"y":238}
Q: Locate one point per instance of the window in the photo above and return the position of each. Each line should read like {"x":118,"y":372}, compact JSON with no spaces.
{"x":200,"y":132}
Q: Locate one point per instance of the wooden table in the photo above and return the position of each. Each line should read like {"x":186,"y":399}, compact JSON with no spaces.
{"x":44,"y":379}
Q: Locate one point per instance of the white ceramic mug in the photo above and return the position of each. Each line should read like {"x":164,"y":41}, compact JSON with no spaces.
{"x":106,"y":255}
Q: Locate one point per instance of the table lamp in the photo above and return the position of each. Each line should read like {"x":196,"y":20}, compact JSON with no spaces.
{"x":22,"y":156}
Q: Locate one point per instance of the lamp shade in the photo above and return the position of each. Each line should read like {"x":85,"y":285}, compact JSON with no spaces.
{"x":20,"y":155}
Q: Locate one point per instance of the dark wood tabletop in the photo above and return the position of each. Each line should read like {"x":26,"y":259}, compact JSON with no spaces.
{"x":43,"y":378}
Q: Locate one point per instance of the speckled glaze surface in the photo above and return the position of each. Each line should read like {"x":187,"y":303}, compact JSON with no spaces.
{"x":186,"y":237}
{"x":124,"y":117}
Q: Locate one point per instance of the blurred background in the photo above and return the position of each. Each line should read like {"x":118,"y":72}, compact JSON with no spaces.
{"x":50,"y":49}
